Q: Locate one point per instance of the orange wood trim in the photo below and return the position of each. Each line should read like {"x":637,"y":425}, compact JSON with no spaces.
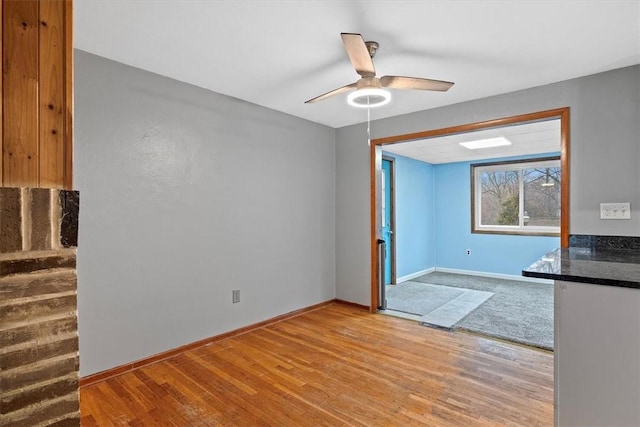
{"x":565,"y":163}
{"x":374,"y":243}
{"x":470,"y":127}
{"x":351,"y":304}
{"x":472,"y":181}
{"x":67,"y":177}
{"x":516,"y":233}
{"x":118,"y":370}
{"x":561,"y":113}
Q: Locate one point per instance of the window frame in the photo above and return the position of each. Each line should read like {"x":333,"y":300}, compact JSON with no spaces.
{"x":510,"y":165}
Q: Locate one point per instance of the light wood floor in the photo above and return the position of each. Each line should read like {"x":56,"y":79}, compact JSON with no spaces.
{"x":336,"y":366}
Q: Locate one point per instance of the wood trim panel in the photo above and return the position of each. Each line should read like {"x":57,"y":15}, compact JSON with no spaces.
{"x":374,"y":230}
{"x":36,"y":148}
{"x":565,"y":162}
{"x":470,"y":127}
{"x":119,"y":370}
{"x":51,"y":108}
{"x":473,"y":198}
{"x":351,"y":304}
{"x":20,"y":97}
{"x":516,"y":233}
{"x":67,"y":179}
{"x":2,"y":93}
{"x":377,"y":143}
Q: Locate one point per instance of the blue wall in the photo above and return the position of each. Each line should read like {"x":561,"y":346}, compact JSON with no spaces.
{"x":492,"y":253}
{"x":433,"y":223}
{"x":415,"y":220}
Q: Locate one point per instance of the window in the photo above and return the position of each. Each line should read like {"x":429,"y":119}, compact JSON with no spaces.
{"x":519,"y":197}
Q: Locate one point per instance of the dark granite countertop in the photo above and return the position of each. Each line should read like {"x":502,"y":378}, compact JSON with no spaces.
{"x":601,"y":266}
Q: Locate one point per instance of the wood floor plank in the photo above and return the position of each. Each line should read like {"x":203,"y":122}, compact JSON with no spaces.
{"x":336,"y":366}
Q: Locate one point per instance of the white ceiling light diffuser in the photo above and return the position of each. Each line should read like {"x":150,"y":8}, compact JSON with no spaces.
{"x":486,"y":143}
{"x":369,"y":97}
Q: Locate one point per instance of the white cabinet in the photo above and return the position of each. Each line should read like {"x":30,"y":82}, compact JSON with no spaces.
{"x":597,"y":355}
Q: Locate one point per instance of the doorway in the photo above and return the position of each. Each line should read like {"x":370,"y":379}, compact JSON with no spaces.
{"x":387,"y":215}
{"x":376,"y":159}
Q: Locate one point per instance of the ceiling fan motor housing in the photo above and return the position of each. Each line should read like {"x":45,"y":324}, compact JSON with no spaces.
{"x":368,"y":82}
{"x":372,"y":47}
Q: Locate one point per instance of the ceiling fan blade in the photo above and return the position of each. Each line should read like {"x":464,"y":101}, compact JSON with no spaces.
{"x":338,"y":91}
{"x":358,"y":54}
{"x":400,"y":82}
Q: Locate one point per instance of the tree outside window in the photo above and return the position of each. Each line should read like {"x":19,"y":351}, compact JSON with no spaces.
{"x":520,"y":197}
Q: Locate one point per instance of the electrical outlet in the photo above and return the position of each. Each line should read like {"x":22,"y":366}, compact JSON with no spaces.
{"x":615,"y":210}
{"x":468,"y":252}
{"x":235,"y":296}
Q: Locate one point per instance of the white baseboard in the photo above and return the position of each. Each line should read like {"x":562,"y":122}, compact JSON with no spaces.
{"x":414,"y":275}
{"x":493,"y":275}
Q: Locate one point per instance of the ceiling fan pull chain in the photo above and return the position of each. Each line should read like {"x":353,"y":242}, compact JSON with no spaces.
{"x":368,"y":126}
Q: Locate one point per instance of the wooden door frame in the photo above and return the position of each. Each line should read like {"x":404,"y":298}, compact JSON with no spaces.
{"x":392,"y":179}
{"x":375,"y":165}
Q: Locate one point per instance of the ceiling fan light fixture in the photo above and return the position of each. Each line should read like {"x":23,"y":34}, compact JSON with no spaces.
{"x":369,"y":97}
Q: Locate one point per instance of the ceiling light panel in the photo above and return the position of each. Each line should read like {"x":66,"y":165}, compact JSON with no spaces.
{"x":486,"y":143}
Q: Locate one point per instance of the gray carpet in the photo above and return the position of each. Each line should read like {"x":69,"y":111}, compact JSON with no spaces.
{"x":441,"y":306}
{"x":518,"y":311}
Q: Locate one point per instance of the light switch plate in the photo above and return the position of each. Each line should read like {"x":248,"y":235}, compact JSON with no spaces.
{"x":615,"y":210}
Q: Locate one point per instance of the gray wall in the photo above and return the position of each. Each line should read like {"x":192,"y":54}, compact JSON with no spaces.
{"x":596,"y":355}
{"x":353,"y":250}
{"x":187,"y":195}
{"x":605,"y":160}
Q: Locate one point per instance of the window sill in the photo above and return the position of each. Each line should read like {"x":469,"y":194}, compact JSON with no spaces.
{"x":517,"y":232}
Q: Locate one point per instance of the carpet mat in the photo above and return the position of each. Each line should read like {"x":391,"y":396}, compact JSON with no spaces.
{"x":441,"y":306}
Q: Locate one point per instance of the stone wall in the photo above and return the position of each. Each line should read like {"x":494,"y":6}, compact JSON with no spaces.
{"x":38,"y":308}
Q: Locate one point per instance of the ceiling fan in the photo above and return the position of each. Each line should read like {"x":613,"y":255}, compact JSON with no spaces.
{"x":369,"y":90}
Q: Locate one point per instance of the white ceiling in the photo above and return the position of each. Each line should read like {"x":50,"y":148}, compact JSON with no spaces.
{"x":280,"y":53}
{"x":528,"y":138}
